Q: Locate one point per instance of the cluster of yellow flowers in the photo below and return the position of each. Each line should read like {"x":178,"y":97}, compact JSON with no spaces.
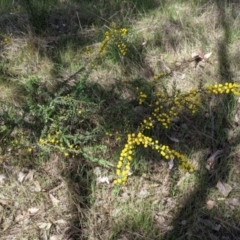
{"x":123,"y":32}
{"x":109,"y":134}
{"x":5,"y":40}
{"x":17,"y":143}
{"x":56,"y":140}
{"x":126,"y":156}
{"x":141,"y":96}
{"x":88,"y":50}
{"x":224,"y":88}
{"x":157,"y":76}
{"x":122,"y":47}
{"x":147,"y":123}
{"x":116,"y":135}
{"x":165,"y":108}
{"x":114,"y":38}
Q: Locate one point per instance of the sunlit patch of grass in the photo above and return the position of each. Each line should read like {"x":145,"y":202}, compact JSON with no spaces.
{"x":131,"y":211}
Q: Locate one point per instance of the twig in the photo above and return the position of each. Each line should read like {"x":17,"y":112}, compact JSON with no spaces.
{"x":79,"y":22}
{"x":73,"y":75}
{"x":56,"y":188}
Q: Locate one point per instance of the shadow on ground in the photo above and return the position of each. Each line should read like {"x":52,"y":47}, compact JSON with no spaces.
{"x":194,"y":207}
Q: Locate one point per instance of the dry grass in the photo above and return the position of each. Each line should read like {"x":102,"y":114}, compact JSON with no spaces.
{"x":34,"y":205}
{"x":59,"y":199}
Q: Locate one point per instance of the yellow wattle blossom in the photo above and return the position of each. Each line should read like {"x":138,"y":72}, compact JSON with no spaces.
{"x":29,"y":149}
{"x":126,"y":156}
{"x":114,"y":38}
{"x":165,"y":108}
{"x":7,"y":40}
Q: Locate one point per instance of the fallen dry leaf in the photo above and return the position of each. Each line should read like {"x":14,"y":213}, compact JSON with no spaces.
{"x":60,"y":222}
{"x":22,"y":217}
{"x":174,"y":139}
{"x":8,"y":222}
{"x":44,"y":225}
{"x":33,"y":210}
{"x":97,"y":171}
{"x":125,"y":196}
{"x":234,"y":202}
{"x":21,"y":176}
{"x":143,"y":193}
{"x":30,"y":175}
{"x":208,"y":55}
{"x":102,"y":180}
{"x":160,"y":219}
{"x":144,"y":42}
{"x":2,"y":177}
{"x":212,"y":160}
{"x":171,"y":164}
{"x":56,"y":188}
{"x":210,"y":204}
{"x":54,"y":200}
{"x":56,"y":237}
{"x":19,"y":218}
{"x":182,"y":78}
{"x":224,"y":188}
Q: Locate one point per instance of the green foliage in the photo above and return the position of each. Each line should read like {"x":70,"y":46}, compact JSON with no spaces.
{"x":164,"y":108}
{"x":6,"y":6}
{"x":37,"y":16}
{"x":61,"y":121}
{"x":88,"y":153}
{"x":37,"y":13}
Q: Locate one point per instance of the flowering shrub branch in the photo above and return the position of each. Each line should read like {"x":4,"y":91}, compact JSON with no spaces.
{"x":164,"y":109}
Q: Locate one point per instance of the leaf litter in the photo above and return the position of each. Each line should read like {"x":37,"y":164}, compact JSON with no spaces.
{"x":224,"y":188}
{"x":29,"y":198}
